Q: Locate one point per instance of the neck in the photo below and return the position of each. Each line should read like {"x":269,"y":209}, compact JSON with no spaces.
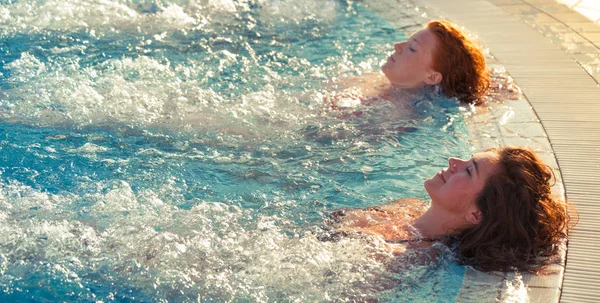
{"x":405,"y":87}
{"x":437,"y":223}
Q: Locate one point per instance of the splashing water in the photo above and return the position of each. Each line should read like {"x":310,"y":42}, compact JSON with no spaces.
{"x":178,"y":151}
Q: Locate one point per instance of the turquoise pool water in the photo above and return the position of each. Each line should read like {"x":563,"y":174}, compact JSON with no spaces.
{"x":180,"y":151}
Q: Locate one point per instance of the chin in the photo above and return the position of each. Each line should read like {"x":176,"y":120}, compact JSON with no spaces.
{"x":427,"y":184}
{"x":384,"y":71}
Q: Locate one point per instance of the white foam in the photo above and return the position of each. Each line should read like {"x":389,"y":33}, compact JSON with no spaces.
{"x":212,"y":246}
{"x":34,"y":16}
{"x":147,"y":93}
{"x":223,"y":5}
{"x":90,"y":148}
{"x":105,"y":16}
{"x":176,"y":16}
{"x":27,"y":67}
{"x":514,"y":290}
{"x":297,"y":10}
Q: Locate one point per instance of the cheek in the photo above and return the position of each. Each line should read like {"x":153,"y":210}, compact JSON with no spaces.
{"x":393,"y":72}
{"x":455,"y":200}
{"x":420,"y":65}
{"x":455,"y":188}
{"x":415,"y":66}
{"x":404,"y":67}
{"x":463,"y":191}
{"x":426,"y":62}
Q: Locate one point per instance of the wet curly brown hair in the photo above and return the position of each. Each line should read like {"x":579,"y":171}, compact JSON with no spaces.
{"x":522,"y":222}
{"x":460,"y":61}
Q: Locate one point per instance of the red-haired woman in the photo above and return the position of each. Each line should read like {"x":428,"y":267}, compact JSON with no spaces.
{"x":495,"y":209}
{"x":441,"y":54}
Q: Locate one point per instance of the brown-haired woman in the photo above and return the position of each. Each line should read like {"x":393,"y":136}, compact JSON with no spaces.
{"x":441,"y":53}
{"x":495,"y":209}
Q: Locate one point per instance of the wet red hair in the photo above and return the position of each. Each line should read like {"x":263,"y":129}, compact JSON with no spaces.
{"x":460,"y":61}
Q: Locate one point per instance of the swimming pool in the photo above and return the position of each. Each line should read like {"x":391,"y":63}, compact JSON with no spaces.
{"x":181,"y":151}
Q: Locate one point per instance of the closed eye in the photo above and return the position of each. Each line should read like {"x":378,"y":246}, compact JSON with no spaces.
{"x":411,"y":44}
{"x":410,"y":47}
{"x":469,"y":170}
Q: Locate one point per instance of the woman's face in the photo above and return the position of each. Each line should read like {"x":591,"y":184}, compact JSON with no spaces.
{"x":410,"y":66}
{"x":456,"y":188}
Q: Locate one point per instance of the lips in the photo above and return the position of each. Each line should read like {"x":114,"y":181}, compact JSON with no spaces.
{"x":392,"y":58}
{"x":441,"y":174}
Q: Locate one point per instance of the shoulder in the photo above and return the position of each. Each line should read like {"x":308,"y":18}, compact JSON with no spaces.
{"x":398,"y":211}
{"x":407,"y":205}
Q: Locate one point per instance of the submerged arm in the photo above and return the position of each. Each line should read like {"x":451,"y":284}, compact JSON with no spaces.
{"x":356,"y":90}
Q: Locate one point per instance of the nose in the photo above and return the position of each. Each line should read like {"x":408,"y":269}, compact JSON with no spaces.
{"x":455,"y":163}
{"x":398,"y":47}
